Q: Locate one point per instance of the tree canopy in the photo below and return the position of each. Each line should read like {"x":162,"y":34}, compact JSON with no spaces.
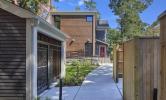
{"x":32,"y":5}
{"x":90,"y":5}
{"x":113,"y":37}
{"x":153,"y":29}
{"x":130,"y":23}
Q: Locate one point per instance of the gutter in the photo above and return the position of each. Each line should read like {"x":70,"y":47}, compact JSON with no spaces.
{"x":45,"y":23}
{"x":162,"y":15}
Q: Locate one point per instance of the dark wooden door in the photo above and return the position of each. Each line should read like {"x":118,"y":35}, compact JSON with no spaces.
{"x":42,"y":70}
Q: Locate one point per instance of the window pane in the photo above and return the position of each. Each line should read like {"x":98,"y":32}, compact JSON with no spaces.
{"x":89,"y":18}
{"x":57,"y":21}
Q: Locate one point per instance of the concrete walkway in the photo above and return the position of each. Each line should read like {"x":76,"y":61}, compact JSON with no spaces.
{"x":98,"y":85}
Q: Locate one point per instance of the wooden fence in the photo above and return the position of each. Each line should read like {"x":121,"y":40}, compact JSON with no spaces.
{"x":141,"y":68}
{"x":118,"y":62}
{"x":162,"y":88}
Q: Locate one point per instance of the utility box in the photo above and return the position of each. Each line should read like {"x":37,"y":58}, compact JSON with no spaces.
{"x":141,"y":68}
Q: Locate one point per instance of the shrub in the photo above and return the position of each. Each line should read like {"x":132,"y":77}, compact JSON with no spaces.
{"x":76,"y":72}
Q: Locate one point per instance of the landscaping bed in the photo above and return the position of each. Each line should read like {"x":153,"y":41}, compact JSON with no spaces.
{"x":77,"y":71}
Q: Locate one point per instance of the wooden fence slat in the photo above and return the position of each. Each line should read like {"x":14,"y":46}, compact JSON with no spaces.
{"x":141,"y":68}
{"x":118,"y":62}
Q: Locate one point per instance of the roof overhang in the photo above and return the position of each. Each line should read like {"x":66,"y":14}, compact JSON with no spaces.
{"x":162,"y":15}
{"x":48,"y":29}
{"x":16,"y":10}
{"x":75,"y":13}
{"x":101,"y":42}
{"x":42,"y":24}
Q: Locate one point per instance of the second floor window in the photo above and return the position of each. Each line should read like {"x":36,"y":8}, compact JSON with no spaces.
{"x":57,"y":20}
{"x":89,"y":18}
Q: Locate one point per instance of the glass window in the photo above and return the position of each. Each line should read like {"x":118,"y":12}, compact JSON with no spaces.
{"x":89,"y":18}
{"x":57,"y":21}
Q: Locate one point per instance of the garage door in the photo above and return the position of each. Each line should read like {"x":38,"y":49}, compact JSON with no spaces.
{"x":42,"y":70}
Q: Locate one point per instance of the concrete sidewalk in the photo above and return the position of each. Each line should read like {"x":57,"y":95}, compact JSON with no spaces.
{"x":98,"y":85}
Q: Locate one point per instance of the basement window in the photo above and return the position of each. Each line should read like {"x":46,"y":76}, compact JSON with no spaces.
{"x":89,"y":18}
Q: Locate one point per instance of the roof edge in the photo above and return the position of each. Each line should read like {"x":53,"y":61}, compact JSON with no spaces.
{"x":16,"y":10}
{"x":74,"y":13}
{"x":162,"y":15}
{"x":102,"y":42}
{"x":142,"y":37}
{"x":52,"y":27}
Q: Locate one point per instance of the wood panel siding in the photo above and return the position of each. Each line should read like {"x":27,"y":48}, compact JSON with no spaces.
{"x":129,"y":73}
{"x":12,"y":57}
{"x":163,"y":58}
{"x":80,"y":32}
{"x":141,"y":68}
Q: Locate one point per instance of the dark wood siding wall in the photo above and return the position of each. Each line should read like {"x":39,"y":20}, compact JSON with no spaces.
{"x":12,"y":57}
{"x":100,"y":35}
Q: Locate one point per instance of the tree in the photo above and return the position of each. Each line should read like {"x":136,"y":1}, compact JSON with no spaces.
{"x":152,"y":30}
{"x":128,"y":12}
{"x":113,"y":37}
{"x":77,"y":8}
{"x":90,"y":5}
{"x":32,"y":5}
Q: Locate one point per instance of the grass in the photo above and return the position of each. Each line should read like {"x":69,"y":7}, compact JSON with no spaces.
{"x":76,"y":72}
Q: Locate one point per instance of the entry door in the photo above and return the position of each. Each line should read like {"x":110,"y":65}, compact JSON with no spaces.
{"x":42,"y":69}
{"x":102,"y":51}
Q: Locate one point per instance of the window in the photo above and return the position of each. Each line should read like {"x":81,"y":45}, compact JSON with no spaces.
{"x":89,"y":18}
{"x":57,"y":20}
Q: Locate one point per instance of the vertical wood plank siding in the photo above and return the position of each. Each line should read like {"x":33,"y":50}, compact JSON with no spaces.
{"x":118,"y":62}
{"x":12,"y":57}
{"x":163,"y":58}
{"x":141,"y":68}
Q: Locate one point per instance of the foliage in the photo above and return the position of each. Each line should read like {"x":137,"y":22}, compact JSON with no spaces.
{"x":90,"y":5}
{"x":77,"y":8}
{"x":76,"y":72}
{"x":153,"y":30}
{"x":128,"y":12}
{"x":38,"y":98}
{"x":32,"y":5}
{"x":114,"y":37}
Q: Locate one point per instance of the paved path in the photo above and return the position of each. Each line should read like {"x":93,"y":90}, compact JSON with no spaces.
{"x":98,"y":85}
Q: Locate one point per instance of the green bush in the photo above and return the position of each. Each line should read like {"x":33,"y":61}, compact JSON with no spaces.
{"x":76,"y":72}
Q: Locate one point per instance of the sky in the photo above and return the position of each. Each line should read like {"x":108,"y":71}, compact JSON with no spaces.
{"x":148,"y":16}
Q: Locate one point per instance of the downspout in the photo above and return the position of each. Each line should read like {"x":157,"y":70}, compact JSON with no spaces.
{"x":93,"y":36}
{"x":62,"y":73}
